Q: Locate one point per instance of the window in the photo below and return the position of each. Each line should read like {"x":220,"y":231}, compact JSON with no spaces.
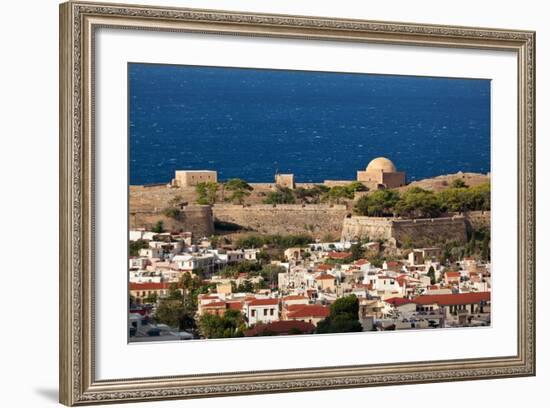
{"x":271,"y":311}
{"x":265,"y":312}
{"x":253,"y":313}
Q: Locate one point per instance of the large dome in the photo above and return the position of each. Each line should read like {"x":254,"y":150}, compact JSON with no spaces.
{"x":381,"y":164}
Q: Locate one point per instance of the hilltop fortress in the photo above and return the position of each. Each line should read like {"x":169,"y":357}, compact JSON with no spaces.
{"x":380,"y":173}
{"x":148,"y":204}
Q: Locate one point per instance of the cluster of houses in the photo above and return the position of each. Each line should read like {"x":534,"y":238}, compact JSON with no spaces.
{"x":415,"y":292}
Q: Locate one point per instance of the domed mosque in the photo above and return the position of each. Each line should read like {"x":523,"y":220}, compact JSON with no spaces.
{"x":381,"y":173}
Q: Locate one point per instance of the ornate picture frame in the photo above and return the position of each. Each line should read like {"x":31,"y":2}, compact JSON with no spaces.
{"x":78,"y":24}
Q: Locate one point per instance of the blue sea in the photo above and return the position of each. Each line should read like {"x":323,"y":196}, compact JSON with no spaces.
{"x":250,"y":123}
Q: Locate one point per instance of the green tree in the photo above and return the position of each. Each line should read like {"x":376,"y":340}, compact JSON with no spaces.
{"x":283,"y":195}
{"x":174,"y":293}
{"x":270,"y":274}
{"x":431,"y":274}
{"x":135,"y":246}
{"x":480,"y":198}
{"x":337,"y":193}
{"x":151,"y":298}
{"x":239,"y":189}
{"x":343,"y":317}
{"x":458,"y":183}
{"x":455,"y":199}
{"x":263,"y":257}
{"x":355,"y":186}
{"x":418,"y":203}
{"x":311,"y":195}
{"x":159,"y":227}
{"x":245,"y":287}
{"x":175,"y":313}
{"x":357,"y":251}
{"x":486,"y":249}
{"x":231,"y":324}
{"x":206,"y":192}
{"x":237,"y":184}
{"x":463,"y":198}
{"x":278,"y":241}
{"x":378,"y":203}
{"x":238,"y":196}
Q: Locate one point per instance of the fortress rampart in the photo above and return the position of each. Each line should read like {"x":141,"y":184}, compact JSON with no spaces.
{"x":197,"y":219}
{"x":478,"y":219}
{"x":317,"y":220}
{"x":418,"y":232}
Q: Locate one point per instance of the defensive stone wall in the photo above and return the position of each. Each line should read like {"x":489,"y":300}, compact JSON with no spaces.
{"x":478,"y":219}
{"x":197,"y":219}
{"x":418,"y":232}
{"x":317,"y":220}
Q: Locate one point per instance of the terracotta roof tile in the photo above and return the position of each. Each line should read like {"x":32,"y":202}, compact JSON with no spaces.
{"x":453,"y":299}
{"x":280,"y":327}
{"x":149,"y":286}
{"x":263,"y":302}
{"x":309,"y":311}
{"x":339,"y":255}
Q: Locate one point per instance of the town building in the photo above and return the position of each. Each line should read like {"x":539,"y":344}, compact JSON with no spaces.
{"x":190,"y":178}
{"x":261,"y":311}
{"x":285,"y":181}
{"x":381,"y":173}
{"x":308,"y":313}
{"x":140,"y":291}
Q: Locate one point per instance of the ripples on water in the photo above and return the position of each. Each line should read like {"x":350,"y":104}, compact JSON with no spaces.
{"x":247,"y":123}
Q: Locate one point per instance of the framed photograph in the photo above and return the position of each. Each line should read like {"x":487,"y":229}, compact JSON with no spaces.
{"x":256,"y":203}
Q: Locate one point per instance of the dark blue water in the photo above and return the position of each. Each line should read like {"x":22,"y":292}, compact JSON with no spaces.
{"x":248,"y":123}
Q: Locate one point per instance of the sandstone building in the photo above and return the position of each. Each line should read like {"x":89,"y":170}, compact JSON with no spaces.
{"x":189,"y":178}
{"x":285,"y":181}
{"x":381,"y":173}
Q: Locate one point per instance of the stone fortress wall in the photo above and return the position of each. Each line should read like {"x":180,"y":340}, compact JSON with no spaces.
{"x":478,"y":219}
{"x":197,"y":219}
{"x":317,"y":220}
{"x":147,"y":204}
{"x":419,"y":232}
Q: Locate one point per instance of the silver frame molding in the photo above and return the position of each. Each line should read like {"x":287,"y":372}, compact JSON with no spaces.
{"x":78,"y":22}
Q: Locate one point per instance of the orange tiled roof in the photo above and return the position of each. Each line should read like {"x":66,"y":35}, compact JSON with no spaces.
{"x":339,"y":255}
{"x":149,"y":285}
{"x":453,"y":299}
{"x":325,"y":277}
{"x":263,"y":302}
{"x":309,"y":311}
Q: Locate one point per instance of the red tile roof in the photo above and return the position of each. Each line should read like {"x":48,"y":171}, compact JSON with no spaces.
{"x":325,"y":277}
{"x":453,"y":299}
{"x":294,"y":297}
{"x":214,"y":304}
{"x":149,"y":285}
{"x":395,"y":301}
{"x":452,"y":274}
{"x":234,"y":305}
{"x":309,"y":311}
{"x":280,"y":327}
{"x":339,"y":255}
{"x":263,"y":302}
{"x":324,"y":267}
{"x":361,"y":262}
